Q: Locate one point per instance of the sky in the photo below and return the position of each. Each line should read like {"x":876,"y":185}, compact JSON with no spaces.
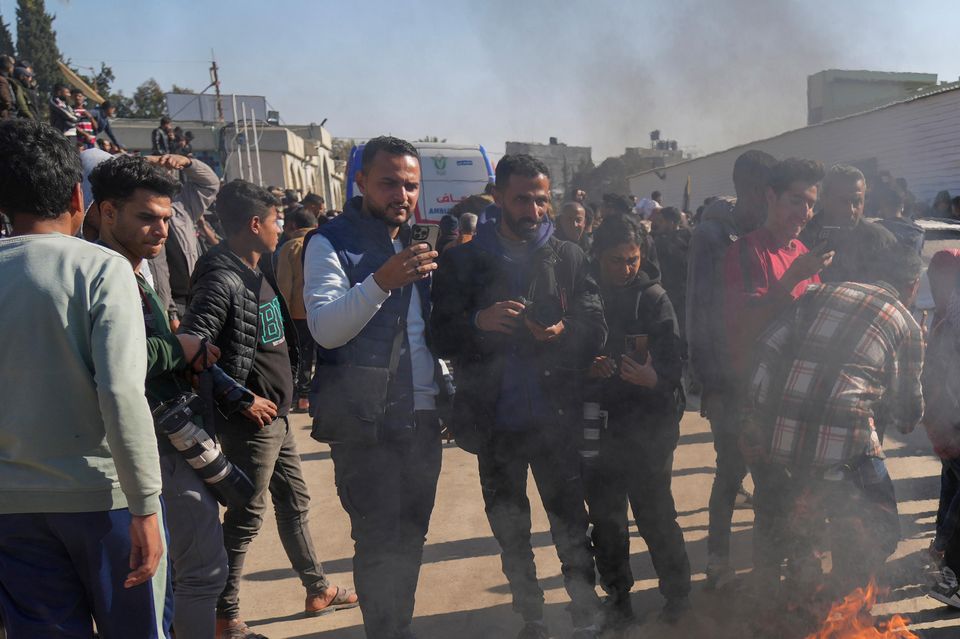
{"x":599,"y":73}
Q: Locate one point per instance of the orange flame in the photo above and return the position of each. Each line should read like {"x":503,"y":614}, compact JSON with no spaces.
{"x":851,"y":619}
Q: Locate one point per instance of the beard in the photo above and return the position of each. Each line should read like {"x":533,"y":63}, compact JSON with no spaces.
{"x":525,"y":228}
{"x":390,"y":220}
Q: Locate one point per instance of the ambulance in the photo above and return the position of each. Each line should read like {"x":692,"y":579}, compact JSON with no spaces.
{"x":449,"y":173}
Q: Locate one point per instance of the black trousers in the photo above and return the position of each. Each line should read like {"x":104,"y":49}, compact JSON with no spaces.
{"x":388,"y":490}
{"x":723,"y":413}
{"x":855,"y":516}
{"x":503,"y":477}
{"x":639,"y":471}
{"x":308,"y":353}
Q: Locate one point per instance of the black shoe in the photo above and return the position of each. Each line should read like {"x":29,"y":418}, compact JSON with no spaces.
{"x":534,"y":630}
{"x":617,"y":612}
{"x":674,"y":610}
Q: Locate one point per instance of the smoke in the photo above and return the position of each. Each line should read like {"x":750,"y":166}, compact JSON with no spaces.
{"x":709,"y":74}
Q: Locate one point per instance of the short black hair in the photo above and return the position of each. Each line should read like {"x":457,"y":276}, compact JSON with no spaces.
{"x":387,"y":144}
{"x":312,"y":199}
{"x":888,"y":198}
{"x":106,"y":104}
{"x":617,"y":230}
{"x":301,"y":218}
{"x":752,"y":166}
{"x":898,"y":265}
{"x":519,"y":164}
{"x":75,"y":91}
{"x":117,"y":179}
{"x":656,"y":195}
{"x":165,"y":120}
{"x":671,"y":214}
{"x":617,"y":202}
{"x":39,"y":169}
{"x":791,"y":170}
{"x":240,"y":201}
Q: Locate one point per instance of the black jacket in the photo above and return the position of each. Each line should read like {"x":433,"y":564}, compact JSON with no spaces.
{"x":224,"y":306}
{"x":472,"y":277}
{"x":642,"y":308}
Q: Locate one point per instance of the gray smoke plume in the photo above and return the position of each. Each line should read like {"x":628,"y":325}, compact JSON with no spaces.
{"x":710,"y":74}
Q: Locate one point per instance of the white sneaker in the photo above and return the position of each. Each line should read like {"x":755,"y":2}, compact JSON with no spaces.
{"x":946,"y":589}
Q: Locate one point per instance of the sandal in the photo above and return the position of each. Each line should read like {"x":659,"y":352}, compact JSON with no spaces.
{"x":238,"y":631}
{"x":340,"y":601}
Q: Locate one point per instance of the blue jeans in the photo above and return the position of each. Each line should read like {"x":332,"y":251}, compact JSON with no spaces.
{"x":948,"y":514}
{"x":60,"y":572}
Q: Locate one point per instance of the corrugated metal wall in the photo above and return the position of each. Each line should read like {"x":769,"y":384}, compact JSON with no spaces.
{"x":918,"y":140}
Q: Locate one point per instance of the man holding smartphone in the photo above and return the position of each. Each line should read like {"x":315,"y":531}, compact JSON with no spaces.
{"x":764,"y":272}
{"x":841,"y":226}
{"x":518,"y":312}
{"x":364,"y":282}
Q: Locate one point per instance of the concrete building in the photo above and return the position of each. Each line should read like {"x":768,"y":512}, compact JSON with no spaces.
{"x":917,"y":139}
{"x":287,"y":158}
{"x":835,"y":93}
{"x":562,"y":160}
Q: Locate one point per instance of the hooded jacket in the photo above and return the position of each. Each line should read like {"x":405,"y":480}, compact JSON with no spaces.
{"x":513,"y":378}
{"x":642,"y":307}
{"x":705,"y":327}
{"x":225,"y":307}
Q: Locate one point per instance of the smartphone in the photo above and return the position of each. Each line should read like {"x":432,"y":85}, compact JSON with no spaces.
{"x":635,"y":347}
{"x":426,"y":234}
{"x":828,"y":235}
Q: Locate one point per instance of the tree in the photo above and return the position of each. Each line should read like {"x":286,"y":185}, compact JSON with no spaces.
{"x":148,"y":102}
{"x":432,"y":138}
{"x":100,"y":82}
{"x":179,"y":89}
{"x":6,"y":40}
{"x":37,"y":42}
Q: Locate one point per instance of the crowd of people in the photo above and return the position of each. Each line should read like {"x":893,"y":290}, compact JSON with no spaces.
{"x":181,"y":320}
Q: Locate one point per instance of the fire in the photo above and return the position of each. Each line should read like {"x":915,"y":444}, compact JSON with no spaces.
{"x":851,"y":619}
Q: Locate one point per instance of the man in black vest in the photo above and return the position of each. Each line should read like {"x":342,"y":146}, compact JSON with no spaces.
{"x":366,"y":291}
{"x":518,"y":312}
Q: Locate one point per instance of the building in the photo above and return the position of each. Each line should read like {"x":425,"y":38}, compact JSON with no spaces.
{"x":562,"y":161}
{"x":917,"y":138}
{"x":835,"y":93}
{"x":296,"y":157}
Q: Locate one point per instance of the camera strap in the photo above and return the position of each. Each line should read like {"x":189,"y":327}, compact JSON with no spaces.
{"x":400,"y":331}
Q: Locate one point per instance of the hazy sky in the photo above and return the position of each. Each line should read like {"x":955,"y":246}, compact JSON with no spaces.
{"x":598,"y":73}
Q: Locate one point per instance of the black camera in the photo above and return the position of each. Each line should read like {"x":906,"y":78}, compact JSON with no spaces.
{"x":230,"y":396}
{"x":175,"y":419}
{"x":545,"y":311}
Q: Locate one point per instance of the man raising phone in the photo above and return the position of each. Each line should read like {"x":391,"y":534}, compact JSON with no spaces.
{"x":366,"y":286}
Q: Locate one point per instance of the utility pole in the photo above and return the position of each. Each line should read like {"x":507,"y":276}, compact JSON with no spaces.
{"x":215,"y":81}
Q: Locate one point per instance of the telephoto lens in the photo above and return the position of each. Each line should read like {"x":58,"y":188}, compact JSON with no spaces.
{"x":174,"y":418}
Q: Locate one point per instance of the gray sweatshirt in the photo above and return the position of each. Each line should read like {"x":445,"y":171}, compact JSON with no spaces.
{"x":76,"y":434}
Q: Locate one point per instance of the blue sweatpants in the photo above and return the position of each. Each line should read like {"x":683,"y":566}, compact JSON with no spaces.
{"x":60,"y":572}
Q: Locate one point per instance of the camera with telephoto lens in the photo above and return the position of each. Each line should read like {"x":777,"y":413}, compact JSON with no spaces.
{"x":175,"y":419}
{"x":545,"y":311}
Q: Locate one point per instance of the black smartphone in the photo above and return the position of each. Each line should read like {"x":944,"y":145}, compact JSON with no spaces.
{"x":426,"y":234}
{"x":828,"y":236}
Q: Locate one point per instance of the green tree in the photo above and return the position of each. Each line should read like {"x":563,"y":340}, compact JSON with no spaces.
{"x":100,"y":82}
{"x":148,"y":102}
{"x":179,"y":89}
{"x":37,"y":42}
{"x":6,"y":39}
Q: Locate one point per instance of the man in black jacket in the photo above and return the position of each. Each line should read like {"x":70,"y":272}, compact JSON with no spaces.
{"x":238,"y":308}
{"x":520,"y":316}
